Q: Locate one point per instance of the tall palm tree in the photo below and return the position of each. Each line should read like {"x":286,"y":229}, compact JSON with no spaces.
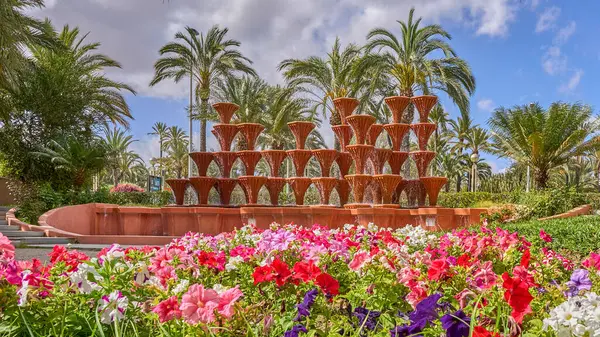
{"x":340,"y":74}
{"x":209,"y":57}
{"x":175,"y":135}
{"x":19,"y":30}
{"x":77,"y":159}
{"x":441,"y":119}
{"x":250,"y":93}
{"x":544,"y":138}
{"x":408,"y":60}
{"x":119,"y":157}
{"x":160,"y":129}
{"x":476,"y":140}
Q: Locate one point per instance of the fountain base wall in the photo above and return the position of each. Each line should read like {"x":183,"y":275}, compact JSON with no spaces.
{"x":146,"y":225}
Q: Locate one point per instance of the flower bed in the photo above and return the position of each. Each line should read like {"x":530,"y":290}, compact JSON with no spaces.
{"x":292,"y":281}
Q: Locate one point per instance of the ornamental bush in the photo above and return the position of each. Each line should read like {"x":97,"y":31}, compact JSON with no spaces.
{"x":126,"y":188}
{"x":294,"y":282}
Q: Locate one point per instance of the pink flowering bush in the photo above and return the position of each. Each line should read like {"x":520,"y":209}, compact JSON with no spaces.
{"x":126,"y":188}
{"x":293,"y":281}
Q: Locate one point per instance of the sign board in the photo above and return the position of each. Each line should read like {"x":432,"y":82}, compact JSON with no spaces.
{"x":154,"y":183}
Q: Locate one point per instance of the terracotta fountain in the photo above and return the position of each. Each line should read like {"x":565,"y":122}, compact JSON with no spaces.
{"x":326,"y":158}
{"x":388,"y":184}
{"x":432,"y":186}
{"x":375,"y":192}
{"x":424,"y":104}
{"x":325,"y":185}
{"x":423,"y":132}
{"x":203,"y":185}
{"x":396,"y":131}
{"x":373,"y":134}
{"x":202,"y":161}
{"x":360,"y":125}
{"x":299,"y":185}
{"x":224,"y":187}
{"x":397,"y":105}
{"x":345,"y":106}
{"x":300,"y":158}
{"x":274,"y":158}
{"x":225,"y":134}
{"x":252,"y":185}
{"x":178,"y":187}
{"x":422,"y":160}
{"x":274,"y":186}
{"x":225,"y":111}
{"x":250,"y":131}
{"x":378,"y":159}
{"x":360,"y":153}
{"x":301,"y":130}
{"x":343,"y":134}
{"x":359,"y":183}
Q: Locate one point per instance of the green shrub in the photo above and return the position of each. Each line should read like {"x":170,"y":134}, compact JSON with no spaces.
{"x":43,"y":198}
{"x":470,"y":199}
{"x":574,"y":237}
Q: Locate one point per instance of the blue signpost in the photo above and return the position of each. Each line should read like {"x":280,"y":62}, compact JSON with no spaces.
{"x":154,"y":183}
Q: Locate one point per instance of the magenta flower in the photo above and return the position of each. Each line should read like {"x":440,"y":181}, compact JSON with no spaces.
{"x":544,"y":236}
{"x":168,"y":309}
{"x":199,"y":304}
{"x":227,"y":301}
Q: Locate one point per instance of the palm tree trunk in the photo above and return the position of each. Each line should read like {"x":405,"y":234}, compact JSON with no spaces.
{"x":408,"y":116}
{"x":541,"y":178}
{"x":203,"y":116}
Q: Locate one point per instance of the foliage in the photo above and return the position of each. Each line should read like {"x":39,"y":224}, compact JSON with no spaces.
{"x":469,"y":199}
{"x":544,"y":138}
{"x":576,"y":236}
{"x":126,"y":188}
{"x":63,"y":94}
{"x":33,"y":201}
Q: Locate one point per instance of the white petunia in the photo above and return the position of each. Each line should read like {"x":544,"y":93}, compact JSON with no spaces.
{"x":112,"y":307}
{"x":233,"y":263}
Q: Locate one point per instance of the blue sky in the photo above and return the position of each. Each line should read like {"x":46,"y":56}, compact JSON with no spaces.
{"x":520,"y":51}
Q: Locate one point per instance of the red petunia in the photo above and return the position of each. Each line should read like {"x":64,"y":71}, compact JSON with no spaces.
{"x":525,"y":259}
{"x":517,"y":296}
{"x":306,"y":271}
{"x":282,"y":272}
{"x":263,"y":274}
{"x":464,"y":261}
{"x":480,"y":331}
{"x":328,"y":284}
{"x":437,"y":269}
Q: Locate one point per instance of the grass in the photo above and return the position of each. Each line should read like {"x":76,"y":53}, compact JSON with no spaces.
{"x":574,"y":237}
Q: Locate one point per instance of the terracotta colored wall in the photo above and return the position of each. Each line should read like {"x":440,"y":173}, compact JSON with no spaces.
{"x":5,"y":197}
{"x":113,"y":220}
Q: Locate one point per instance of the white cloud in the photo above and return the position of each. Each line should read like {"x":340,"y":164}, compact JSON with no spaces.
{"x":486,"y":105}
{"x":553,"y":61}
{"x":147,"y":147}
{"x":565,"y":33}
{"x":547,"y":19}
{"x":132,"y":31}
{"x":535,"y":3}
{"x":572,"y":83}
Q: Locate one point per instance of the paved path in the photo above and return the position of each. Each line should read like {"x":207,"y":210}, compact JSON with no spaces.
{"x":42,"y":253}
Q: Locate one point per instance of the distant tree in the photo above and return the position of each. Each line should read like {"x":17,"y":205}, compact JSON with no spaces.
{"x":542,"y":138}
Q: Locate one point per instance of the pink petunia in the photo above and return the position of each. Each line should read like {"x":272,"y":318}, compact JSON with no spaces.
{"x":228,"y":299}
{"x":545,"y":236}
{"x":199,"y":304}
{"x":7,"y":250}
{"x":359,"y":260}
{"x":485,"y":278}
{"x":168,"y":309}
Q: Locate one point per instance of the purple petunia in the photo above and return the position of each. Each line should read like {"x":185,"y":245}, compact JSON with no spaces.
{"x":426,"y":311}
{"x":307,"y":303}
{"x":296,"y":329}
{"x":579,"y":281}
{"x":367,"y":318}
{"x":456,"y":325}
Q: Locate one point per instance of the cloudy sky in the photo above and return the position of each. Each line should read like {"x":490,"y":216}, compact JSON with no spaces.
{"x":521,"y":51}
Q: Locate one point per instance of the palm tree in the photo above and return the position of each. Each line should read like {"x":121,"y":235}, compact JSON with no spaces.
{"x":175,"y":135}
{"x":544,"y":138}
{"x":119,"y":158}
{"x":77,"y":159}
{"x":408,"y":60}
{"x":208,"y":57}
{"x":160,"y":129}
{"x":19,"y":30}
{"x":460,"y":128}
{"x":104,"y":99}
{"x":250,"y":93}
{"x":340,"y":74}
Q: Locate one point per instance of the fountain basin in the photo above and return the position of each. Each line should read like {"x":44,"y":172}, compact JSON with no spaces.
{"x":300,"y":158}
{"x":274,"y":158}
{"x":345,"y":106}
{"x":203,"y":185}
{"x":397,"y":131}
{"x":360,"y":153}
{"x":397,"y":105}
{"x":326,"y":157}
{"x":225,"y":111}
{"x":250,"y":131}
{"x":360,"y":125}
{"x":343,"y":134}
{"x":301,"y":130}
{"x":202,"y":161}
{"x":178,"y":187}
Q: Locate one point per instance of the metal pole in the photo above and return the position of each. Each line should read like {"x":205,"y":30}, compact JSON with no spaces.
{"x":528,"y":185}
{"x":190,"y":143}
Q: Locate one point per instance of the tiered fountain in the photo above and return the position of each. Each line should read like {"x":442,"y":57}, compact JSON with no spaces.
{"x":373,"y":174}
